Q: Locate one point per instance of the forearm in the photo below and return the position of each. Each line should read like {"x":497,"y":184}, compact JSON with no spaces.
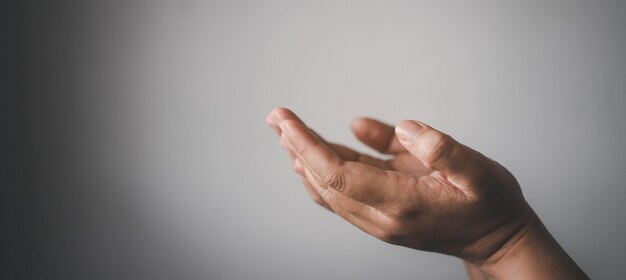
{"x":532,"y":253}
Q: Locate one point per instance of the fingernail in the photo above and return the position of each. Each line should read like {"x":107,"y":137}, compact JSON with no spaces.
{"x":406,"y":130}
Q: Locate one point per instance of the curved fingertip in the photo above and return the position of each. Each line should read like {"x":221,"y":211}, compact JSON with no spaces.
{"x":272,"y":124}
{"x":359,"y":127}
{"x":288,"y":126}
{"x":407,"y":130}
{"x":268,"y":119}
{"x":281,"y":114}
{"x":377,"y":135}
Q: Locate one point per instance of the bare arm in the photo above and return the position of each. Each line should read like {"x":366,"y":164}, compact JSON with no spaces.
{"x":435,"y":194}
{"x":532,"y":254}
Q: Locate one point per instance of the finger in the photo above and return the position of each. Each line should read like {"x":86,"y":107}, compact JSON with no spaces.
{"x":298,"y":167}
{"x":348,"y":154}
{"x":285,"y":145}
{"x":366,"y":218}
{"x":359,"y":181}
{"x":441,"y":152}
{"x":370,"y":185}
{"x":317,"y":198}
{"x":350,"y":209}
{"x":270,"y":121}
{"x":377,"y":135}
{"x":313,"y":154}
{"x":279,"y":114}
{"x":364,"y":225}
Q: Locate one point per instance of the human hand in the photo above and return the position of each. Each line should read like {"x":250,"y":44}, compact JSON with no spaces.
{"x":435,"y":194}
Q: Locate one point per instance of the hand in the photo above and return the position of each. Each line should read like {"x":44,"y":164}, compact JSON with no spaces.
{"x":435,"y":194}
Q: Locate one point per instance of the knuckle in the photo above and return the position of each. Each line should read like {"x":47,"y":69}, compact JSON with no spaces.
{"x":336,"y":181}
{"x":441,"y":147}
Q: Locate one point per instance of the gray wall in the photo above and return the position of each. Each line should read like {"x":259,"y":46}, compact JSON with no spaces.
{"x":143,"y":152}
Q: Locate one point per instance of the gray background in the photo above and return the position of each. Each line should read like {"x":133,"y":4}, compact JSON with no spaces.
{"x":142,"y":150}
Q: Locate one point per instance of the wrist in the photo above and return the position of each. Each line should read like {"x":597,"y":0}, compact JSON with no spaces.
{"x":531,"y":253}
{"x":517,"y":242}
{"x":499,"y":237}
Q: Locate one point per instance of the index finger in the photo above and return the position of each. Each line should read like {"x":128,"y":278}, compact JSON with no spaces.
{"x":316,"y":156}
{"x":356,"y":180}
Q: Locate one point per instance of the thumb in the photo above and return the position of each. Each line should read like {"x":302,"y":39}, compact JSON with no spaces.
{"x":438,"y":151}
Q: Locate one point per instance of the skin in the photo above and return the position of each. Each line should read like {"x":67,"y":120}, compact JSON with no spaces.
{"x":434,"y":194}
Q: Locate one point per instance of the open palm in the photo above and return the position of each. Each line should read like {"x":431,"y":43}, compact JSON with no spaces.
{"x":434,"y":194}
